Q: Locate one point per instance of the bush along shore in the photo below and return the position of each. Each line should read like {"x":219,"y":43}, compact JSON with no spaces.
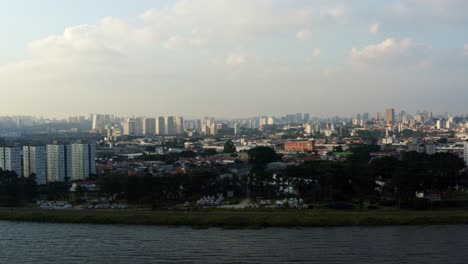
{"x":239,"y":219}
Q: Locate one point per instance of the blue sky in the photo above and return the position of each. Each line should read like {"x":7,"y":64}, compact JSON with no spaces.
{"x":233,"y":58}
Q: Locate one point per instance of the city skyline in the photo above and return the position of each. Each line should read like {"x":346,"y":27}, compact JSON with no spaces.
{"x":233,"y":58}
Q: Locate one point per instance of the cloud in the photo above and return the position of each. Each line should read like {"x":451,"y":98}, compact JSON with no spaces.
{"x":316,"y":52}
{"x":303,"y":35}
{"x":334,"y":12}
{"x":174,"y":42}
{"x":374,"y":28}
{"x":236,"y":59}
{"x":391,"y":53}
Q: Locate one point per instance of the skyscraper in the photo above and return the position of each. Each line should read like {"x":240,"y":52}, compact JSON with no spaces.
{"x":465,"y":153}
{"x":170,"y":125}
{"x":59,"y":165}
{"x":161,"y":125}
{"x":129,"y":127}
{"x":179,"y":122}
{"x":236,"y":128}
{"x":390,"y":115}
{"x":34,"y":161}
{"x":149,"y":126}
{"x":83,"y":161}
{"x":10,"y":159}
{"x":99,"y":122}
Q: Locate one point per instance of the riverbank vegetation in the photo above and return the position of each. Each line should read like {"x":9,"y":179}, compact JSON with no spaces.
{"x":239,"y":218}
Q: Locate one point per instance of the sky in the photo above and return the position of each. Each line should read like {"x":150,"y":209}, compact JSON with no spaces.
{"x":232,"y":58}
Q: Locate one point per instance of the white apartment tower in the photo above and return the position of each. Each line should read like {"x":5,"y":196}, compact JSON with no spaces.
{"x":161,"y":126}
{"x":10,"y":159}
{"x":83,"y":161}
{"x":465,"y":153}
{"x":34,"y":161}
{"x":149,"y":126}
{"x":170,"y":125}
{"x":179,"y":125}
{"x":58,"y":162}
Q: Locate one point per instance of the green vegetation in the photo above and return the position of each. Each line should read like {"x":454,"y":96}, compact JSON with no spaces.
{"x":240,"y":219}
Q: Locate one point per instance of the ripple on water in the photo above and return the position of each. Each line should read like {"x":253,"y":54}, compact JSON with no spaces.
{"x":66,"y":243}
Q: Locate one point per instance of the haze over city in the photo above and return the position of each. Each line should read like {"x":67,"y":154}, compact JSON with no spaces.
{"x":232,"y":58}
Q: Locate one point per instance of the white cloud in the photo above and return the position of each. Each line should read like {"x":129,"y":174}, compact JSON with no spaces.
{"x":316,"y":52}
{"x":374,"y":28}
{"x":303,"y":35}
{"x":335,"y":11}
{"x":174,"y":42}
{"x":391,"y":53}
{"x":236,"y":59}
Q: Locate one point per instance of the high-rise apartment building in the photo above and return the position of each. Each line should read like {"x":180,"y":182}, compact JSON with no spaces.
{"x":390,"y":115}
{"x":170,"y":125}
{"x":129,"y":127}
{"x":149,"y":126}
{"x":59,"y":162}
{"x":161,"y":125}
{"x":34,"y":161}
{"x":83,"y":161}
{"x":99,"y":122}
{"x":465,"y":153}
{"x":236,"y":128}
{"x":10,"y":159}
{"x":179,"y":124}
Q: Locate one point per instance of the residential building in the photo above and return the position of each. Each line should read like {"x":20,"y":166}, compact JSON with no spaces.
{"x":83,"y":161}
{"x":161,"y":126}
{"x":10,"y":159}
{"x":34,"y":161}
{"x":170,"y":125}
{"x":390,"y":115}
{"x":59,"y":162}
{"x":149,"y":126}
{"x":299,"y":146}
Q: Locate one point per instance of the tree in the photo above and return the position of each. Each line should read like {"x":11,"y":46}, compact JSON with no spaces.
{"x":229,"y":147}
{"x":262,"y":155}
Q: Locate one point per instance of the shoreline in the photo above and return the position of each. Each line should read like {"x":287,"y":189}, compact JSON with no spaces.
{"x":238,"y":219}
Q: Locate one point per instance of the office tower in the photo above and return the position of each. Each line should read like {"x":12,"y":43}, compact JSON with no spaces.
{"x":99,"y":122}
{"x":59,"y":163}
{"x":34,"y":161}
{"x":170,"y":125}
{"x":236,"y":128}
{"x":390,"y":115}
{"x":10,"y":159}
{"x":306,"y":117}
{"x":149,"y":126}
{"x":179,"y":125}
{"x":161,"y":125}
{"x":83,"y":161}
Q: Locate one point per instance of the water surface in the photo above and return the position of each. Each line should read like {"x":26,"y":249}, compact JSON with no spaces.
{"x":75,"y":243}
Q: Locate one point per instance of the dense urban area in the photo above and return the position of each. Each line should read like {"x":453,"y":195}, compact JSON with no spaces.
{"x":387,"y":160}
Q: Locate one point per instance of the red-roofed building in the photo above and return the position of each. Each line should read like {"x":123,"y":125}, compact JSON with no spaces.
{"x":299,"y":146}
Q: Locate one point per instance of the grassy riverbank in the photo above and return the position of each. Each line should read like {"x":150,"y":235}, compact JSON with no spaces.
{"x":239,"y":219}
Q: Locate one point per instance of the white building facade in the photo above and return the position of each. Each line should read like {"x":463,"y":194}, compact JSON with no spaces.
{"x":34,"y":162}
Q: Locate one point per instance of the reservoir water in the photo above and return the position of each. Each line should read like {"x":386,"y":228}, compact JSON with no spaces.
{"x":72,"y":243}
